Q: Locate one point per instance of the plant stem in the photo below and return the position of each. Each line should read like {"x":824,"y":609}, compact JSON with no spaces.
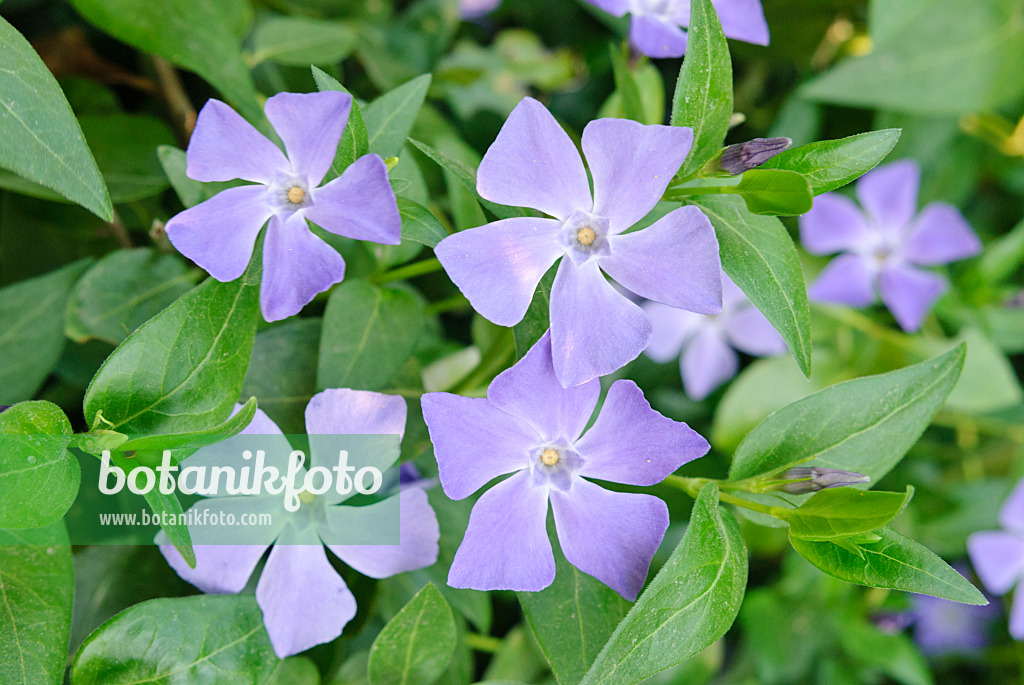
{"x":482,"y":643}
{"x":692,"y":487}
{"x":491,"y":363}
{"x":450,"y":304}
{"x":427,"y":266}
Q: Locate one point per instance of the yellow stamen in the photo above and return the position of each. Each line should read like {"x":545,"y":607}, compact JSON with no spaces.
{"x":296,"y":195}
{"x":306,"y":497}
{"x":586,"y":235}
{"x":549,"y":457}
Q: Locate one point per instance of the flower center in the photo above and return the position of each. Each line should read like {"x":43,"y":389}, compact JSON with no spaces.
{"x":306,"y":497}
{"x":296,"y":194}
{"x":585,"y":236}
{"x":549,"y":457}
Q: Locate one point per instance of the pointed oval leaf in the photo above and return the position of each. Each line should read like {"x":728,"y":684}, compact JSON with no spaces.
{"x":831,"y":164}
{"x":417,"y":644}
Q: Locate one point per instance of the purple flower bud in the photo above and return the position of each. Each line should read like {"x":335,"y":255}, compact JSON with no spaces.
{"x":814,"y":478}
{"x":745,"y":156}
{"x":4,"y":407}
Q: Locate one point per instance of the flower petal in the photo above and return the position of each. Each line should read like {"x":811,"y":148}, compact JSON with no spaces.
{"x":595,"y":329}
{"x":359,"y":204}
{"x":848,"y":279}
{"x":632,"y":164}
{"x":310,"y":125}
{"x":418,"y":531}
{"x":304,"y":600}
{"x":610,"y":535}
{"x":633,"y":444}
{"x":674,"y":261}
{"x":656,"y":38}
{"x":834,"y":224}
{"x":530,"y":391}
{"x":296,"y":266}
{"x":940,"y":235}
{"x":743,"y":20}
{"x":474,"y":441}
{"x":224,"y":146}
{"x":998,"y":559}
{"x":1011,"y":515}
{"x":220,"y":234}
{"x":670,"y":328}
{"x":506,"y":545}
{"x":889,"y":193}
{"x":341,"y":411}
{"x":614,"y":7}
{"x":1017,"y":616}
{"x":498,"y":266}
{"x":220,"y":569}
{"x":909,"y":293}
{"x":533,"y":163}
{"x":707,"y":362}
{"x":748,"y":331}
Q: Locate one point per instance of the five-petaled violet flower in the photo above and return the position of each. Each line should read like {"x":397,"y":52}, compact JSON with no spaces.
{"x":595,"y":330}
{"x":707,"y":342}
{"x":530,"y":426}
{"x":945,"y":627}
{"x":304,"y":600}
{"x":998,"y":557}
{"x":657,"y":28}
{"x":885,"y":245}
{"x":220,"y":234}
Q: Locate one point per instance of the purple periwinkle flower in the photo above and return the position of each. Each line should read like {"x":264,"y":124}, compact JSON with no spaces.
{"x":998,"y":556}
{"x":707,"y":343}
{"x":594,"y":328}
{"x":530,"y":426}
{"x":304,"y":600}
{"x":657,"y":28}
{"x":884,"y":246}
{"x":220,"y":234}
{"x":943,"y":627}
{"x":473,"y":9}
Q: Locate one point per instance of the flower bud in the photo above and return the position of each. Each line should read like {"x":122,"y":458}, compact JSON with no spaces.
{"x":742,"y":157}
{"x":811,"y":479}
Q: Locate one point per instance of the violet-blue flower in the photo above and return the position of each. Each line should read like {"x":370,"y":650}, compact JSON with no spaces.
{"x":220,"y":234}
{"x":530,"y":426}
{"x":657,"y":27}
{"x":595,"y":330}
{"x":998,"y":556}
{"x":709,"y":343}
{"x":884,"y":246}
{"x":304,"y":600}
{"x":944,"y":627}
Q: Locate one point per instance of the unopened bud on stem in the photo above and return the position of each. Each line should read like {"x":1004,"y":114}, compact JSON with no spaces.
{"x":802,"y":480}
{"x":742,"y":157}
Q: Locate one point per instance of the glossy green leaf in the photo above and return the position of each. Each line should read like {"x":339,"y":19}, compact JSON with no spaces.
{"x":626,"y":85}
{"x":390,"y":117}
{"x":300,"y":42}
{"x":842,"y":512}
{"x":36,"y":584}
{"x":41,"y":139}
{"x":368,"y":334}
{"x":1004,"y":256}
{"x":190,"y":192}
{"x":182,"y":370}
{"x":419,"y":224}
{"x":417,"y":644}
{"x":758,"y":254}
{"x":124,"y":146}
{"x":864,"y":425}
{"x":894,"y":654}
{"x":893,"y":562}
{"x":32,"y":335}
{"x":572,"y":619}
{"x":831,"y":164}
{"x":124,"y":290}
{"x":39,"y":478}
{"x":295,"y":670}
{"x":690,"y":604}
{"x":774,"y":192}
{"x":538,"y":316}
{"x":282,"y":372}
{"x":988,"y":381}
{"x":200,"y":639}
{"x":703,"y":97}
{"x":196,"y":439}
{"x":354,"y":143}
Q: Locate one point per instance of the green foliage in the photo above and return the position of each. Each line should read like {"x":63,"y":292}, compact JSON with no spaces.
{"x":390,"y":117}
{"x":417,"y":644}
{"x":831,"y":164}
{"x":845,"y":512}
{"x":299,"y":42}
{"x":775,"y":192}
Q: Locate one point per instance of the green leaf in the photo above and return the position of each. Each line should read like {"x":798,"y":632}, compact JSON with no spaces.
{"x":295,"y":670}
{"x":893,"y":653}
{"x":572,"y":619}
{"x":368,"y":334}
{"x":124,"y":146}
{"x":182,"y":370}
{"x":703,"y":97}
{"x":417,"y":644}
{"x":538,"y":317}
{"x":354,"y":143}
{"x":32,"y":336}
{"x":842,"y":512}
{"x":390,"y":117}
{"x":419,"y":224}
{"x":39,"y":478}
{"x":196,"y":439}
{"x":282,"y":372}
{"x":625,"y":84}
{"x":190,"y":192}
{"x":831,"y":164}
{"x":201,"y":639}
{"x":41,"y":139}
{"x":1003,"y":257}
{"x":300,"y":42}
{"x":893,"y":562}
{"x":988,"y":381}
{"x":689,"y":605}
{"x":124,"y":290}
{"x":864,"y":425}
{"x":200,"y":35}
{"x":36,"y":583}
{"x":774,"y":192}
{"x":760,"y":257}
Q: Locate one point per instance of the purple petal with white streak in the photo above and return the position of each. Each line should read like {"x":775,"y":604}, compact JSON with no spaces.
{"x":359,"y":204}
{"x":224,"y":146}
{"x":297,"y":265}
{"x":310,"y":125}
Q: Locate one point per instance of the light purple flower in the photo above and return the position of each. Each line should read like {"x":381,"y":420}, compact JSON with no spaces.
{"x":530,"y":426}
{"x":707,"y":342}
{"x":304,"y":600}
{"x":220,"y":234}
{"x":945,"y":627}
{"x":998,"y":556}
{"x":594,"y":329}
{"x":472,"y":9}
{"x":657,"y":26}
{"x":884,"y":244}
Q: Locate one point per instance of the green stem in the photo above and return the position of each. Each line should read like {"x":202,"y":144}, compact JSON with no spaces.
{"x":447,"y":305}
{"x":868,"y":326}
{"x":692,"y":487}
{"x":426,"y":266}
{"x":491,"y":363}
{"x":682,"y":193}
{"x":482,"y":643}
